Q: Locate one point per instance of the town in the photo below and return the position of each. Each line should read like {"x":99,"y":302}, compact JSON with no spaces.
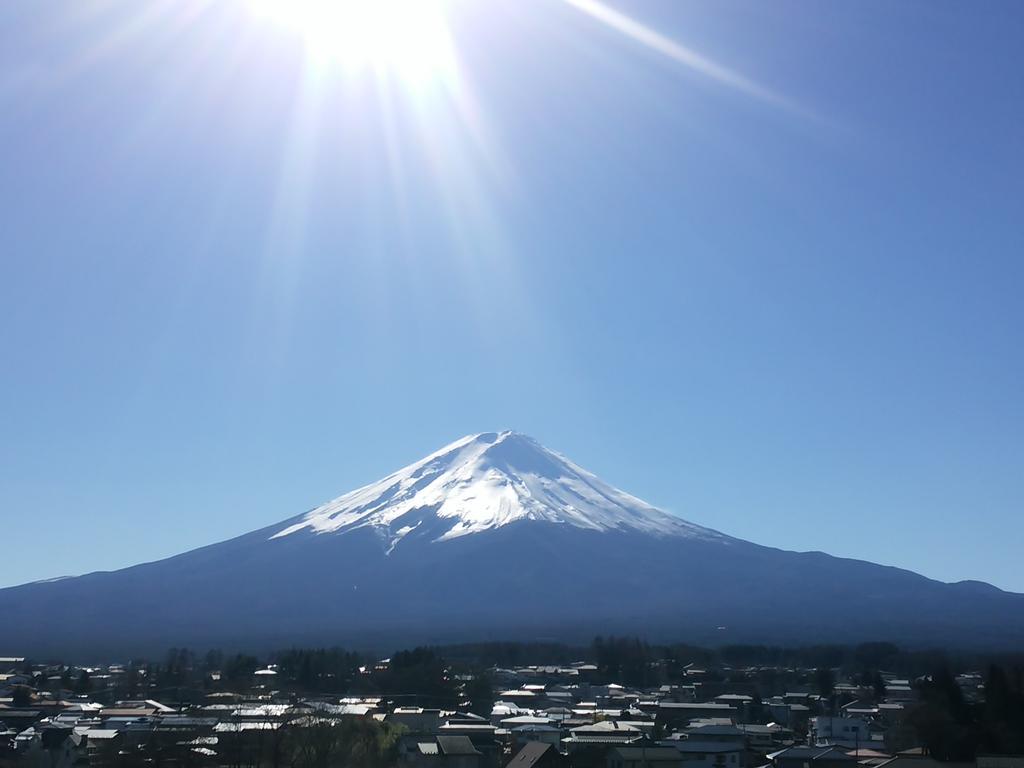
{"x":620,"y":704}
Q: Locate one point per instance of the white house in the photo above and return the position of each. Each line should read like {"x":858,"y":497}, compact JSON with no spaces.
{"x":838,"y":732}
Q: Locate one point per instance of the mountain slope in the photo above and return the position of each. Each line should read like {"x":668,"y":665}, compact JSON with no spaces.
{"x":494,"y":536}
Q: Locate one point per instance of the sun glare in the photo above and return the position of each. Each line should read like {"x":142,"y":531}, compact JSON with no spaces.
{"x":408,"y":39}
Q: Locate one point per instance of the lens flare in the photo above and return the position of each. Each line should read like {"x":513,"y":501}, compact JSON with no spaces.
{"x":407,"y":39}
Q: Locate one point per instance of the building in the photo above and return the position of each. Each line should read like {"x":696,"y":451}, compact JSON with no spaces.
{"x":849,"y":732}
{"x":537,"y":754}
{"x":672,"y":715}
{"x":812,"y":757}
{"x":443,"y":752}
{"x":644,"y":757}
{"x":707,"y":754}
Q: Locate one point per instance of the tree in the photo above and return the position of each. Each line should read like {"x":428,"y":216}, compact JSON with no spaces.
{"x":623,"y":660}
{"x":421,"y":675}
{"x":347,"y":741}
{"x":239,"y":668}
{"x":825,"y":680}
{"x":875,"y":655}
{"x":130,"y":682}
{"x":322,"y":669}
{"x":1003,"y":712}
{"x":943,"y":719}
{"x":84,"y":684}
{"x":480,"y":692}
{"x":180,"y":662}
{"x":21,"y":696}
{"x":214,"y":661}
{"x":878,"y":685}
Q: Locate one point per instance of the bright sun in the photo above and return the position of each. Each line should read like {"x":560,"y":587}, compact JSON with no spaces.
{"x":405,"y":38}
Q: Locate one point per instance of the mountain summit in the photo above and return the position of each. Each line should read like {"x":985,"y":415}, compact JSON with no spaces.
{"x":481,"y":483}
{"x":494,"y":537}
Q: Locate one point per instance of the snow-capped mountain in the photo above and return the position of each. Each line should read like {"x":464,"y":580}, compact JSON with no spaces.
{"x":494,"y":536}
{"x":481,"y":483}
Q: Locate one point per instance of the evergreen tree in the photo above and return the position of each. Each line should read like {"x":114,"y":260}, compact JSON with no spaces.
{"x":84,"y":684}
{"x":878,"y":685}
{"x":21,"y":696}
{"x":480,"y":692}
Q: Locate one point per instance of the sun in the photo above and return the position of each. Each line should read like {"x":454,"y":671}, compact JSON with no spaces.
{"x":406,"y":39}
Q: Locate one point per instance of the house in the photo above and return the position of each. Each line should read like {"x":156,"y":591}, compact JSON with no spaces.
{"x":543,"y":733}
{"x":557,"y":714}
{"x":11,"y":679}
{"x":716,"y":733}
{"x":605,"y":732}
{"x":48,"y":747}
{"x":536,"y":754}
{"x":788,"y":714}
{"x":101,"y":745}
{"x":127,"y":713}
{"x":891,"y":712}
{"x":476,"y":731}
{"x":743,"y":702}
{"x":522,"y":697}
{"x":520,"y":720}
{"x":644,"y":757}
{"x":697,"y":753}
{"x":812,"y":757}
{"x":480,"y":732}
{"x":849,"y":732}
{"x":673,"y":714}
{"x":766,"y":736}
{"x":458,"y":752}
{"x":18,"y":720}
{"x":444,"y":752}
{"x":900,"y":691}
{"x":416,"y":719}
{"x":504,"y":709}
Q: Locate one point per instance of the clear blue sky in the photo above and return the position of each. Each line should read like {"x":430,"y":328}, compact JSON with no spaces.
{"x":778,"y":290}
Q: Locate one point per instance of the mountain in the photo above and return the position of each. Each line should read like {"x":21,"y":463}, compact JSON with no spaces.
{"x":495,"y":537}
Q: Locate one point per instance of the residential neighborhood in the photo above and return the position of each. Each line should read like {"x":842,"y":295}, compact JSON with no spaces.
{"x":254,"y":715}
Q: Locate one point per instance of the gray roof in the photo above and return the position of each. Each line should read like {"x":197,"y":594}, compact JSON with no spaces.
{"x":99,"y":734}
{"x":456,"y":745}
{"x":715,"y":729}
{"x":694,"y":746}
{"x":648,"y":754}
{"x":811,"y":753}
{"x":528,"y":756}
{"x":608,"y":737}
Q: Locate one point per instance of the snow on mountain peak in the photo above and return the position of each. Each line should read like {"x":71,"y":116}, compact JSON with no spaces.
{"x":482,"y":482}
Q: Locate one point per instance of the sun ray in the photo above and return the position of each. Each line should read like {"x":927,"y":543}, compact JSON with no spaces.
{"x":679,"y":53}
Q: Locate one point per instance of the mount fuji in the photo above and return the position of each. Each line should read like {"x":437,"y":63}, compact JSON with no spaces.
{"x":495,"y":537}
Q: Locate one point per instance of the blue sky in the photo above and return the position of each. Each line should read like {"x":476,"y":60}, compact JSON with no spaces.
{"x":779,"y":296}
